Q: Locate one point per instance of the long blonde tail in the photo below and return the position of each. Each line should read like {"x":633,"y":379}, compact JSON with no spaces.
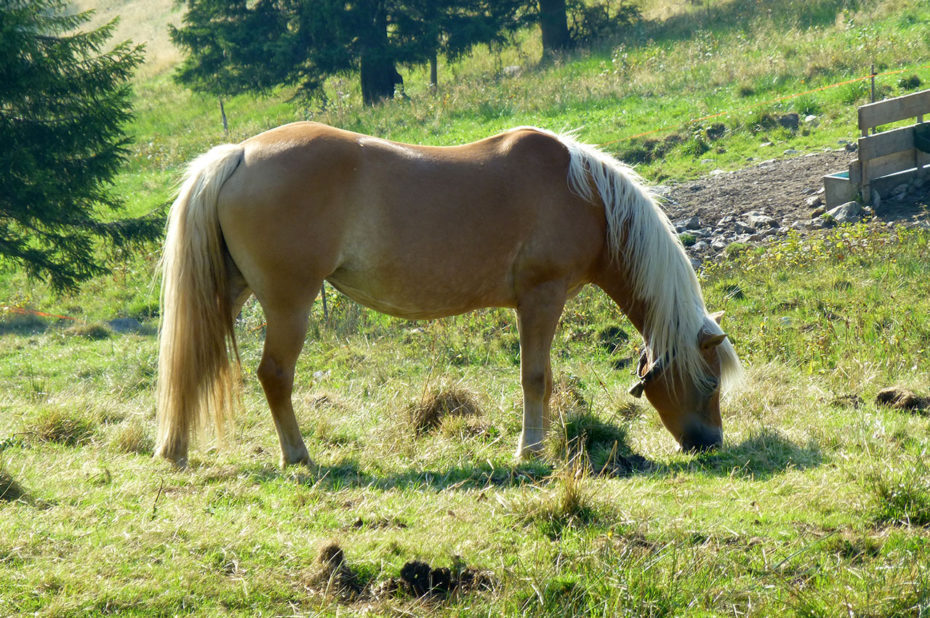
{"x":196,"y":339}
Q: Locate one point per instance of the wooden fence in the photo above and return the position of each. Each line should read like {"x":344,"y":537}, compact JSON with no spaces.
{"x":886,"y":159}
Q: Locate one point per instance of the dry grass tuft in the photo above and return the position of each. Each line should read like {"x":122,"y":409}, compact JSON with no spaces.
{"x":94,"y":332}
{"x":132,"y":438}
{"x":62,"y":426}
{"x":435,"y":406}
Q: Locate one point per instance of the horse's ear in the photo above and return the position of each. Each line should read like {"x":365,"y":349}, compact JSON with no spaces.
{"x":716,"y":317}
{"x":710,"y":340}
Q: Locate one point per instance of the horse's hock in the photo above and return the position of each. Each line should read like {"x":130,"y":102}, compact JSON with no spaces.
{"x":889,"y":159}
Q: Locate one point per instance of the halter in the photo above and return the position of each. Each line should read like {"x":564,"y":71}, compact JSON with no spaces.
{"x":657,"y":368}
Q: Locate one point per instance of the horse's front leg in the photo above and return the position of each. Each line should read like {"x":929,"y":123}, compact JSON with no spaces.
{"x":538,"y":315}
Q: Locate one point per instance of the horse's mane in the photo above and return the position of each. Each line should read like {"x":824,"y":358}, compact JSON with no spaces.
{"x":642,"y":240}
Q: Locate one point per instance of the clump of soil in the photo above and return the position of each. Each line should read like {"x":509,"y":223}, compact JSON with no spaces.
{"x":435,"y":406}
{"x":902,"y":399}
{"x":332,"y":576}
{"x":420,"y":580}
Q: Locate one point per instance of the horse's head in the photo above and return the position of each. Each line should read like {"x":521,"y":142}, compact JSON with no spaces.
{"x":689,"y":407}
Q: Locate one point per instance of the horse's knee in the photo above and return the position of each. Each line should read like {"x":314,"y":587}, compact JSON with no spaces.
{"x":535,"y":383}
{"x":273,"y":376}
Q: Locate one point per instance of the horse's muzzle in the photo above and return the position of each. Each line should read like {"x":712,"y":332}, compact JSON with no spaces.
{"x":699,"y":439}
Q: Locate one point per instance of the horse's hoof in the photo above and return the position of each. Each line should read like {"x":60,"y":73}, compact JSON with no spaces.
{"x":299,"y":457}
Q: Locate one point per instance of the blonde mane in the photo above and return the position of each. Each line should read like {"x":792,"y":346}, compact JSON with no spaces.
{"x":642,"y":239}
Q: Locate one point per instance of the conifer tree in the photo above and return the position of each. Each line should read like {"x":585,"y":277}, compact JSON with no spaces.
{"x":245,"y":46}
{"x":63,"y":105}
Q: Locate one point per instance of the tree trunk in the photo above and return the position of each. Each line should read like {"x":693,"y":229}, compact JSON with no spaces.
{"x":378,"y":77}
{"x":433,"y":73}
{"x":554,"y":25}
{"x":378,"y":74}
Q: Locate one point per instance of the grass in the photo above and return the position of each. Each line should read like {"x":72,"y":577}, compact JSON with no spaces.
{"x":815,"y":505}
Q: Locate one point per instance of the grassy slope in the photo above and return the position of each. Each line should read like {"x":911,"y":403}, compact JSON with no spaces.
{"x":805,"y":510}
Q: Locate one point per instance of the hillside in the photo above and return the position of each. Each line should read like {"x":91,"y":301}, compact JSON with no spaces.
{"x":816,"y":504}
{"x":141,"y":21}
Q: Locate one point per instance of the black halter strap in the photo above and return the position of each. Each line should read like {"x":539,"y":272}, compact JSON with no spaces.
{"x":645,"y":378}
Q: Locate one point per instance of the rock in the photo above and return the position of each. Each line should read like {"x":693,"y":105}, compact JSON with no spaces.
{"x":810,"y":119}
{"x":790,"y":121}
{"x":818,"y":211}
{"x":699,"y":246}
{"x":851,"y":147}
{"x":901,"y":188}
{"x":513,"y":70}
{"x":814,"y":201}
{"x":758,"y":220}
{"x":791,"y":151}
{"x":716,"y":172}
{"x":765,"y":145}
{"x":692,"y":223}
{"x":695,"y":262}
{"x":850,"y":212}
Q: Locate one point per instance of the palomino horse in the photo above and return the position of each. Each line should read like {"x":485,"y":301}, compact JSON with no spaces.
{"x":523,"y":219}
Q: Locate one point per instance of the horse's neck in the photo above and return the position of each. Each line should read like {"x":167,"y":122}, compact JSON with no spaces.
{"x":614,"y":279}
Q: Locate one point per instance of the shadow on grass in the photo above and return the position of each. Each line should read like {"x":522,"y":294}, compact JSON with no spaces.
{"x":760,"y":456}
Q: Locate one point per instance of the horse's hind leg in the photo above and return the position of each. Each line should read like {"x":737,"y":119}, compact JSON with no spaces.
{"x":538,"y":315}
{"x":284,"y":339}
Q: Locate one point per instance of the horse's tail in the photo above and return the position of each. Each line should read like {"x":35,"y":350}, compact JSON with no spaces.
{"x":196,"y":337}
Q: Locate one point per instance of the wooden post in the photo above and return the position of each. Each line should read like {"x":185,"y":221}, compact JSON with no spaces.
{"x":223,"y":114}
{"x":433,"y":74}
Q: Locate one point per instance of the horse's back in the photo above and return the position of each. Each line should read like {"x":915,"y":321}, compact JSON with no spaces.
{"x":411,"y":230}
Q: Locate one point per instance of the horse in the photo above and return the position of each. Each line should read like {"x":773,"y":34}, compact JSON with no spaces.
{"x":523,"y":219}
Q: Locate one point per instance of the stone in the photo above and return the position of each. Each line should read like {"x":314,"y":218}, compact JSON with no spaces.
{"x":851,"y":147}
{"x":791,"y":151}
{"x":850,"y":212}
{"x":818,"y":211}
{"x":814,"y":201}
{"x":692,"y":223}
{"x":810,"y":119}
{"x":759,"y":221}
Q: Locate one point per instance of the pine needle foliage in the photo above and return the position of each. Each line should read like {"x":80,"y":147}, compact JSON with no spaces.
{"x":64,"y":103}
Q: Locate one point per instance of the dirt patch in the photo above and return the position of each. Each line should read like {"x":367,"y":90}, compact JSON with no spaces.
{"x":768,"y":199}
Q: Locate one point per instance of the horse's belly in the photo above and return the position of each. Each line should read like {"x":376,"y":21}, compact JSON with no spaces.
{"x":420,"y":297}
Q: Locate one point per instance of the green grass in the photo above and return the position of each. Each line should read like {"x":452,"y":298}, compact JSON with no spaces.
{"x":816,"y":504}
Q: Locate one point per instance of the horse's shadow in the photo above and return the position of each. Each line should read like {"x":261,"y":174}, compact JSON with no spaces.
{"x":760,"y":456}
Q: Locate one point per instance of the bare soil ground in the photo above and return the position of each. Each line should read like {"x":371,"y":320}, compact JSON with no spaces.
{"x":780,"y":189}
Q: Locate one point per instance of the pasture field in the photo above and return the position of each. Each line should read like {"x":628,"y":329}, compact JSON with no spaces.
{"x":818,"y":504}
